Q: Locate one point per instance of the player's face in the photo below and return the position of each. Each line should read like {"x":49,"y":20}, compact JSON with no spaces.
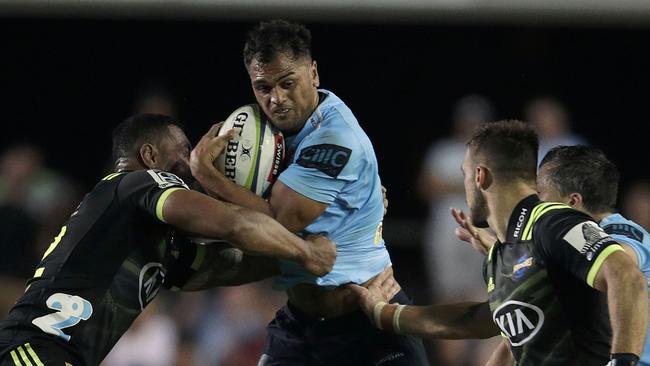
{"x":175,"y":152}
{"x":546,"y":190}
{"x":476,"y":202}
{"x":286,"y":89}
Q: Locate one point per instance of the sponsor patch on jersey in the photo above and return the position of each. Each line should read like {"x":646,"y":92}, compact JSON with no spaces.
{"x":329,"y":159}
{"x":520,"y":222}
{"x":519,"y":321}
{"x":166,"y":179}
{"x":522,"y":265}
{"x":587,"y":238}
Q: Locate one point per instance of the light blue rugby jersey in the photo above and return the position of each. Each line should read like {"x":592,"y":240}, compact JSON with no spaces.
{"x":634,"y":235}
{"x":334,"y":163}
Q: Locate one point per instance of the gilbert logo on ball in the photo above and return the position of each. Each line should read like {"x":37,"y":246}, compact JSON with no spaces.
{"x":253,"y":159}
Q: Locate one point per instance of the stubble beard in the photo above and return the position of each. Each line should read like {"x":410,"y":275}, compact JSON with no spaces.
{"x":478,"y":210}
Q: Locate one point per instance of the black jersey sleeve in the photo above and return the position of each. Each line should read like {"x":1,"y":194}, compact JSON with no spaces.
{"x":574,"y":242}
{"x":148,"y":189}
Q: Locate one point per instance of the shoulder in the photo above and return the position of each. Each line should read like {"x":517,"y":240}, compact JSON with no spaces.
{"x":335,"y":135}
{"x":632,"y":234}
{"x":335,"y":124}
{"x":572,"y":227}
{"x":618,"y":226}
{"x":334,"y":113}
{"x":556,"y":218}
{"x":150,"y":179}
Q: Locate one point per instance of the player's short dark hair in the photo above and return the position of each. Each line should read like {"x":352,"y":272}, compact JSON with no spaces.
{"x":270,"y":38}
{"x":129,"y":135}
{"x":508,"y":147}
{"x":585,"y":170}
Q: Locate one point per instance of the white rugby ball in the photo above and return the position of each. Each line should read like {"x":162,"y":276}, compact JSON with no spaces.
{"x":253,"y":159}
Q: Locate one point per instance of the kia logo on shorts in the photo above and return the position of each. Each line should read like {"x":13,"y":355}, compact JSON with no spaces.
{"x":519,"y":321}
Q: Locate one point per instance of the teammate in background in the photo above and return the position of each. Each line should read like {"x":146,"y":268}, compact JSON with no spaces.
{"x":331,"y":186}
{"x":546,"y":275}
{"x":585,"y":179}
{"x":552,"y":123}
{"x":112,"y":255}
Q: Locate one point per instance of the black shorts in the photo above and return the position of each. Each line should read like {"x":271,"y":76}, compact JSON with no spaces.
{"x":297,"y":339}
{"x":35,"y":351}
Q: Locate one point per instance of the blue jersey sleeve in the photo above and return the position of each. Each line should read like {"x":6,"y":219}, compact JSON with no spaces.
{"x":322,"y":166}
{"x":642,"y":251}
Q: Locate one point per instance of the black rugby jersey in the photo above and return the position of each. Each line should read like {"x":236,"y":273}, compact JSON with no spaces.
{"x":539,"y":286}
{"x":107,"y":263}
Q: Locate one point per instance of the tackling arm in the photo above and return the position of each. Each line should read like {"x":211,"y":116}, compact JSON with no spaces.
{"x":451,"y":321}
{"x":250,"y":231}
{"x":226,"y":266}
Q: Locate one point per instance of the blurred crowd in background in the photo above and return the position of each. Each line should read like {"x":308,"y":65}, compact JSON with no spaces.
{"x":226,"y":326}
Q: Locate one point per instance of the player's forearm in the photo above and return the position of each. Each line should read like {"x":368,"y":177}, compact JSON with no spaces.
{"x":216,"y":184}
{"x":248,"y":230}
{"x":230,"y":267}
{"x":454,"y":321}
{"x":259,"y":234}
{"x":628,"y":307}
{"x":502,"y":356}
{"x":253,"y":269}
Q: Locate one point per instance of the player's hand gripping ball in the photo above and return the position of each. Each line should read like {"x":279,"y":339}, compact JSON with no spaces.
{"x":253,"y":159}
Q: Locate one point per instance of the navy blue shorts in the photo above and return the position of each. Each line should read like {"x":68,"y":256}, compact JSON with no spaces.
{"x":295,"y":338}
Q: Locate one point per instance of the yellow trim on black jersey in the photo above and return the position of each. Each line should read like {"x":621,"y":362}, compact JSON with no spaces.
{"x":33,"y":354}
{"x":161,"y":202}
{"x":490,"y":252}
{"x":591,"y":276}
{"x":55,"y":242}
{"x":537,"y":213}
{"x":15,"y":358}
{"x":23,"y":355}
{"x":111,"y":176}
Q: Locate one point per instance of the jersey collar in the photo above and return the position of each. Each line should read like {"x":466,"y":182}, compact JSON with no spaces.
{"x":519,"y":218}
{"x":613,"y":217}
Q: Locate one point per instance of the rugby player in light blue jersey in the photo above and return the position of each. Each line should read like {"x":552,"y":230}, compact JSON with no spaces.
{"x":585,"y":179}
{"x":330,"y":186}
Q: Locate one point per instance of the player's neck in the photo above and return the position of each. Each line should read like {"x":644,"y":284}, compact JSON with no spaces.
{"x":599,"y":216}
{"x":126,"y":164}
{"x":502,"y":200}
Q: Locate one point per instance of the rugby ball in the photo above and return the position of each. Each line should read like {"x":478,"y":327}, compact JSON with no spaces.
{"x":253,"y":158}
